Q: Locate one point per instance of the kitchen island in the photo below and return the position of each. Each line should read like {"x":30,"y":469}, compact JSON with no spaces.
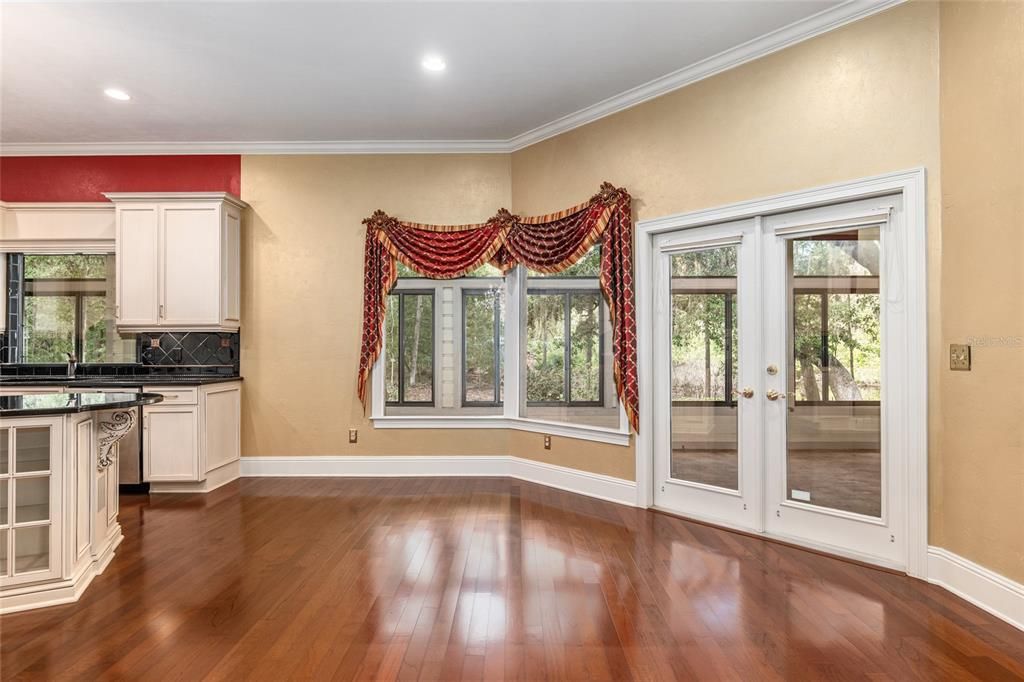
{"x":58,"y":491}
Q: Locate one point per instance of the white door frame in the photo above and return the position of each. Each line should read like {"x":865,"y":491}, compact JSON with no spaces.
{"x":909,"y":183}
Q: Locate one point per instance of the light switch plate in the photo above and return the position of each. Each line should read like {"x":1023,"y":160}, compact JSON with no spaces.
{"x":960,"y":357}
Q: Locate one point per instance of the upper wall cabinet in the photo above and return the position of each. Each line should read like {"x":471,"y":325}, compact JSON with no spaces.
{"x":178,"y":259}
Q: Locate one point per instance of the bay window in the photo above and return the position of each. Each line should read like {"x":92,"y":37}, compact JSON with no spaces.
{"x":451,"y":360}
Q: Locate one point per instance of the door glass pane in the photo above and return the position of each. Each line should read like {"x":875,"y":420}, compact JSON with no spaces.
{"x":3,"y":552}
{"x":31,"y":499}
{"x":31,"y":449}
{"x":4,"y":484}
{"x":704,"y":348}
{"x":31,"y":549}
{"x":834,"y":417}
{"x":5,"y":434}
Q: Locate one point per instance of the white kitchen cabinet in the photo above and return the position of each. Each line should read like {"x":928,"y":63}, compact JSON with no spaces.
{"x":178,"y":265}
{"x":31,"y":467}
{"x":192,"y":440}
{"x":170,"y":443}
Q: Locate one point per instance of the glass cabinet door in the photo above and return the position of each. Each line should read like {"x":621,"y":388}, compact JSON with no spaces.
{"x":29,"y":476}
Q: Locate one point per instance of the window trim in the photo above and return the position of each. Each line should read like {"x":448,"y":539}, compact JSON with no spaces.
{"x":402,"y":294}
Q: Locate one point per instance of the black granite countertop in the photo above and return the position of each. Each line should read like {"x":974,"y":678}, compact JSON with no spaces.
{"x":114,"y":381}
{"x":66,"y":403}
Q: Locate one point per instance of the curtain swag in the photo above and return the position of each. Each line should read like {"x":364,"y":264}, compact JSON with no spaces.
{"x":549,"y":243}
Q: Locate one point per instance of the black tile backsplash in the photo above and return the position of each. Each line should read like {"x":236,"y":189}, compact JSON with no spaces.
{"x":188,"y":348}
{"x":177,"y":354}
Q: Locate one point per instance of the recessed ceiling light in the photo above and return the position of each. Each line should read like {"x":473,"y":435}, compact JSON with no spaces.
{"x":120,"y":95}
{"x":433,"y":62}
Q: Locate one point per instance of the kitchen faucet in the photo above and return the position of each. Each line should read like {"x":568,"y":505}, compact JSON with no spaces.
{"x":72,"y":365}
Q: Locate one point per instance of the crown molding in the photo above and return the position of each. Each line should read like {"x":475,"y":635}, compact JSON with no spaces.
{"x":799,"y":31}
{"x":791,"y":34}
{"x":256,"y":147}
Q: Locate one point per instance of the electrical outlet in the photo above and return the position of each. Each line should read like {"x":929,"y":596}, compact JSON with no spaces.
{"x":960,"y":357}
{"x":353,"y":435}
{"x":547,"y":442}
{"x":225,"y":343}
{"x":154,"y":342}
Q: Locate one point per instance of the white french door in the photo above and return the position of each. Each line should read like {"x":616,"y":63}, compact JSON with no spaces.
{"x":778,"y":387}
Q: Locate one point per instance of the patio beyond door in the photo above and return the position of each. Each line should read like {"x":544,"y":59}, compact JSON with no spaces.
{"x":776,"y":410}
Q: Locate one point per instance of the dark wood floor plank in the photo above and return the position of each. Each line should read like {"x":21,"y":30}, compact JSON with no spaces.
{"x":483,"y":579}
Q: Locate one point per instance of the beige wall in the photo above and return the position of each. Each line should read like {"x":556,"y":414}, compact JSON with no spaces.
{"x":858,"y":101}
{"x":982,"y":105}
{"x":302,"y":275}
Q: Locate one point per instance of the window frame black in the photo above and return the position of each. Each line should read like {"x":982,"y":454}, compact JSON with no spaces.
{"x":401,"y":402}
{"x":567,"y":294}
{"x":496,"y":293}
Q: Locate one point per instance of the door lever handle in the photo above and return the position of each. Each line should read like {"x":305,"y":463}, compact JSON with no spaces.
{"x":774,"y":395}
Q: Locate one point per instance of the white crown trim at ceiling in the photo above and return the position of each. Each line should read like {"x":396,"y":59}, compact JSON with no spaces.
{"x":799,"y":31}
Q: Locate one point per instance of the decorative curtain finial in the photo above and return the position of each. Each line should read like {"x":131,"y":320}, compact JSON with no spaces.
{"x":608,"y":193}
{"x":504,"y":217}
{"x":381,"y":220}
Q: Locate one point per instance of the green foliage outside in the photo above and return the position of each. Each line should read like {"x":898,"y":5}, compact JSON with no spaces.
{"x":49,"y":324}
{"x":416,"y":312}
{"x":545,"y":347}
{"x":481,"y":347}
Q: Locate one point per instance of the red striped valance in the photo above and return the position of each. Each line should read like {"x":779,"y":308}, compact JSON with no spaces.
{"x":548,"y":243}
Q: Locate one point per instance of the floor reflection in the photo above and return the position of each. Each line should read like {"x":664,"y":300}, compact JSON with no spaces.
{"x":447,"y":579}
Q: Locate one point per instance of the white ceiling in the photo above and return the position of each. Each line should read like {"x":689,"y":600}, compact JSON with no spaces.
{"x":229,"y":72}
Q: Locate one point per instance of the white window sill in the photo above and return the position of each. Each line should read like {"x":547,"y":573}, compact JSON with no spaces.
{"x":591,"y":433}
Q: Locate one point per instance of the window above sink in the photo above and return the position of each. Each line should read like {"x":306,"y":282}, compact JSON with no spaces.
{"x":60,"y":304}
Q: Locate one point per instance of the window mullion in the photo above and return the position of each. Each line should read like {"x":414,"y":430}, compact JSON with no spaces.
{"x":566,"y":347}
{"x":401,"y":348}
{"x":496,"y":353}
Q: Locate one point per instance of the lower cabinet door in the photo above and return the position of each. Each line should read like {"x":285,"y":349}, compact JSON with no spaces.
{"x":171,"y":443}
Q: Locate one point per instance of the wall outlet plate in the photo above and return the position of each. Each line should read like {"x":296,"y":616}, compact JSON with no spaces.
{"x":547,"y":442}
{"x":960,"y":357}
{"x":154,"y":342}
{"x":353,"y":435}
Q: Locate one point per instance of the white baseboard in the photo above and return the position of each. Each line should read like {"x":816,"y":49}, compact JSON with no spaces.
{"x":986,"y":589}
{"x":214,"y":479}
{"x":602,"y":487}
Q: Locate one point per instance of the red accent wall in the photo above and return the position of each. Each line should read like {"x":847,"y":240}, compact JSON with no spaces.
{"x":85,"y":178}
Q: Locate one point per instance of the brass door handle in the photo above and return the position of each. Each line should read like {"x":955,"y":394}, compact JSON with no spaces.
{"x":774,"y":395}
{"x":746,"y":392}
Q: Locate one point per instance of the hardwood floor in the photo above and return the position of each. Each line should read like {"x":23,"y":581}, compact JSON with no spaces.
{"x":445,"y":579}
